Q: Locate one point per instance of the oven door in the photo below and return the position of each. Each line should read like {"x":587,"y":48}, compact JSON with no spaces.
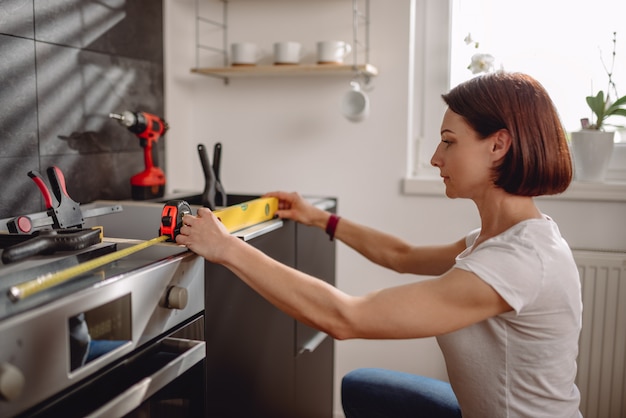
{"x":163,"y":379}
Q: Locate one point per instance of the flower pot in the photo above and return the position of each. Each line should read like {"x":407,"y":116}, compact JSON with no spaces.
{"x":592,"y":152}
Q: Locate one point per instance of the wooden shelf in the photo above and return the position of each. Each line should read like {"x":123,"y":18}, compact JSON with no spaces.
{"x":286,"y":70}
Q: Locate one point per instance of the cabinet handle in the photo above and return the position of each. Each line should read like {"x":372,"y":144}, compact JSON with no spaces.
{"x":311,"y":345}
{"x":259,"y":229}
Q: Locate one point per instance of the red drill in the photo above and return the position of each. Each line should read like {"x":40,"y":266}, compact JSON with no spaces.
{"x":150,"y":183}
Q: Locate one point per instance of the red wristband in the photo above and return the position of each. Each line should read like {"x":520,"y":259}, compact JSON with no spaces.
{"x":332,"y":225}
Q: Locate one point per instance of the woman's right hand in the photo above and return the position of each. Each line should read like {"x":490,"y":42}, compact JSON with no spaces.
{"x":295,"y":207}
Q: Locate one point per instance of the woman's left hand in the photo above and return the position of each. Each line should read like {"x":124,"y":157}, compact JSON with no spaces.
{"x":204,"y":234}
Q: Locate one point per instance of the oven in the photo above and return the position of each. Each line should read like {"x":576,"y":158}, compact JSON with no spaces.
{"x":122,"y":340}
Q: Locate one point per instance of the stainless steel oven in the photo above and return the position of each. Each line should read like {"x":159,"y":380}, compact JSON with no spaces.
{"x":123,"y":340}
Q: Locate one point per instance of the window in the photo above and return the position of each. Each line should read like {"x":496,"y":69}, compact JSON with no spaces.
{"x":561,"y":43}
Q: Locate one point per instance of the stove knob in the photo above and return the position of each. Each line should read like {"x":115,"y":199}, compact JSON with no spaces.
{"x":177,"y":297}
{"x":11,"y":382}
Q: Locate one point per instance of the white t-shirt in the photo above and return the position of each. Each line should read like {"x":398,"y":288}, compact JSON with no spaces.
{"x":521,"y":363}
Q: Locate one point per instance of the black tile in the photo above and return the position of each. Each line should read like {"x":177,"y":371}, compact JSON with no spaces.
{"x":18,"y":193}
{"x":129,"y":28}
{"x":16,"y":18}
{"x":18,"y":118}
{"x":55,"y":95}
{"x":87,"y":177}
{"x":78,"y":89}
{"x":93,"y":177}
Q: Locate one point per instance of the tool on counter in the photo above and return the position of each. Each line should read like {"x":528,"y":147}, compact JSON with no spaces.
{"x":220,"y":198}
{"x":212,"y":183}
{"x":244,"y":215}
{"x":150,"y":183}
{"x":172,"y":218}
{"x":235,"y":218}
{"x":62,"y":212}
{"x":48,"y":242}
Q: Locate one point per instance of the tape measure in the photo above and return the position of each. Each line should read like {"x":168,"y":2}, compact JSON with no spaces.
{"x":235,"y":218}
{"x":172,"y":218}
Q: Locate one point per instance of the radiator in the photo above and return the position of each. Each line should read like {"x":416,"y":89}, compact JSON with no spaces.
{"x":601,"y":374}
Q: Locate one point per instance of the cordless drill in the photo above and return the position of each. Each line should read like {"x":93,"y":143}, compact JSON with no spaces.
{"x":150,"y":183}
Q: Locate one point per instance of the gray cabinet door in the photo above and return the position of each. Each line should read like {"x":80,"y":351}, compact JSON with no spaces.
{"x":250,"y":367}
{"x":260,"y":362}
{"x":315,"y":255}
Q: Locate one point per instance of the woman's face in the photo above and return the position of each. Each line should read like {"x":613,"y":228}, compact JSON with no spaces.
{"x":464,"y":160}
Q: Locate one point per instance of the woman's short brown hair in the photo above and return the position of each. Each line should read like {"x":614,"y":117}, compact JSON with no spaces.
{"x":538,"y":162}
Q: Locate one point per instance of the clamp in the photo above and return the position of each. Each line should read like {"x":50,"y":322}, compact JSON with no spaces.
{"x":62,"y":212}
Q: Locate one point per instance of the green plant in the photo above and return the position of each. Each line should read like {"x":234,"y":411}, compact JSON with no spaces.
{"x":601,"y":106}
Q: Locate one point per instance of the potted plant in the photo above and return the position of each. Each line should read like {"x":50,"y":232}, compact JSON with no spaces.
{"x":592,"y":146}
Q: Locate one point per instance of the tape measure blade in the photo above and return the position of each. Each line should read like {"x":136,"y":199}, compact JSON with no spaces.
{"x":31,"y":287}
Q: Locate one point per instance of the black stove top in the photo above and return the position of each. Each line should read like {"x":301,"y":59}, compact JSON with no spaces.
{"x":34,"y":267}
{"x":23,"y":271}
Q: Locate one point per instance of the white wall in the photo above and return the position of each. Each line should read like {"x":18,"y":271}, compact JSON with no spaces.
{"x":287,"y":133}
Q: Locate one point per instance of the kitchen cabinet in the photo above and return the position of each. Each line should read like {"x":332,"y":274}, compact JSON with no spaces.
{"x":261,"y":362}
{"x":315,"y":255}
{"x":360,"y":30}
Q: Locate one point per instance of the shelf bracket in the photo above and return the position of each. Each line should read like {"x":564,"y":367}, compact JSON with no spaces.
{"x":359,"y":17}
{"x":221,"y":25}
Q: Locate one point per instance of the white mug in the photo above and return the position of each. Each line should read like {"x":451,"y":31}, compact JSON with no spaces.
{"x":332,"y":51}
{"x":244,"y":53}
{"x":355,"y":105}
{"x":287,"y":52}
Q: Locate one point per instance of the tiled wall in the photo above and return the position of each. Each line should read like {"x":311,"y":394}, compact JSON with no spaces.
{"x":64,"y":66}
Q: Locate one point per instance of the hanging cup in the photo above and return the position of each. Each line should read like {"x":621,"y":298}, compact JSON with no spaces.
{"x":355,"y":105}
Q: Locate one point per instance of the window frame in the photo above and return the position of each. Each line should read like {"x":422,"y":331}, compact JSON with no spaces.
{"x":429,"y":77}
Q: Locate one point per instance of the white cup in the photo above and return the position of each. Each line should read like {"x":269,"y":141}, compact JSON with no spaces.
{"x":332,"y":52}
{"x":355,"y":105}
{"x":287,"y":52}
{"x":244,"y":53}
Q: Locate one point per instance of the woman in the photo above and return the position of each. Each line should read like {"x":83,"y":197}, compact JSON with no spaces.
{"x":505,"y":305}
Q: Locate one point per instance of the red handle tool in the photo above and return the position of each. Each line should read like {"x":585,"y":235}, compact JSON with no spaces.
{"x":61,"y":210}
